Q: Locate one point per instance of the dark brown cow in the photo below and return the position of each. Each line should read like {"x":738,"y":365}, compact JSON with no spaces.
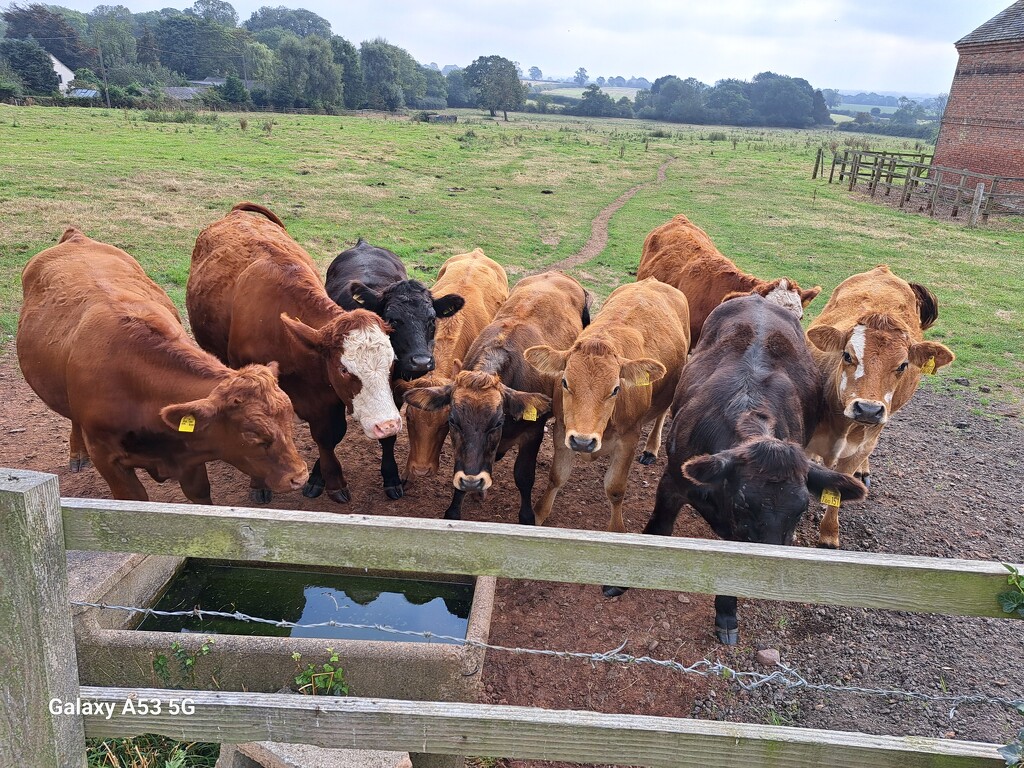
{"x":254,"y":295}
{"x":619,"y":375}
{"x":869,"y":343}
{"x":102,"y":345}
{"x":747,"y":401}
{"x":498,"y":400}
{"x":484,"y":286}
{"x":681,"y":254}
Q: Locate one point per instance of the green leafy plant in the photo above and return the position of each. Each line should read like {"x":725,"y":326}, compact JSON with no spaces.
{"x":186,"y":663}
{"x":1012,"y":600}
{"x":325,"y":680}
{"x":1013,"y":753}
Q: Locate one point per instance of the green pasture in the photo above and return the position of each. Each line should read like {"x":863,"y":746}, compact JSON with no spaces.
{"x":867,"y":108}
{"x":616,"y":92}
{"x":525,"y":191}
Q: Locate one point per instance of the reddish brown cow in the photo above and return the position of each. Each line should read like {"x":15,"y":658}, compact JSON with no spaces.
{"x":869,"y":344}
{"x":102,"y":345}
{"x":498,"y":400}
{"x":619,"y":375}
{"x":681,"y":254}
{"x":484,"y":286}
{"x":255,"y":295}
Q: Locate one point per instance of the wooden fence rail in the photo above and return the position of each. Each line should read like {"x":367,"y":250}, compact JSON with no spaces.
{"x":37,"y":642}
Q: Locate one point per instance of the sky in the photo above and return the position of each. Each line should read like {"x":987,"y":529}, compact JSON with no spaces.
{"x":900,"y":46}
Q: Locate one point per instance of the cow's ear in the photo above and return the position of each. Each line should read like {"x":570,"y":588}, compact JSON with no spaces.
{"x":429,"y":398}
{"x":640,"y":373}
{"x":545,"y":359}
{"x":446,"y":306}
{"x":456,"y":367}
{"x":819,"y":478}
{"x":709,"y":469}
{"x":275,"y":368}
{"x":826,"y":338}
{"x":525,"y":406}
{"x":921,"y":354}
{"x":307,"y":337}
{"x":364,"y":296}
{"x":193,"y":416}
{"x":806,"y":297}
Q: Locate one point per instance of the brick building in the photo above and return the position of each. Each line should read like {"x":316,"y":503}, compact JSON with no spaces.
{"x":982,"y":129}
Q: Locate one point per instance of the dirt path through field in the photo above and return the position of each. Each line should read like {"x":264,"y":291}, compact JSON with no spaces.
{"x":599,"y":226}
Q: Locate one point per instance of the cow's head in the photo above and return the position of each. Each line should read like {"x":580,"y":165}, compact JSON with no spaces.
{"x":247,"y":421}
{"x":875,"y":364}
{"x":758,"y":490}
{"x":427,"y":429}
{"x":357,"y":354}
{"x":408,"y":307}
{"x":592,"y":376}
{"x":788,"y":294}
{"x":479,"y":406}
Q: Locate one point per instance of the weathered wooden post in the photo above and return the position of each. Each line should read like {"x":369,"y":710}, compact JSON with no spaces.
{"x":989,"y":204}
{"x":959,"y":193}
{"x":817,"y":163}
{"x":979,"y":193}
{"x":854,"y":171}
{"x":876,"y":174}
{"x":37,"y":642}
{"x":935,"y":190}
{"x":891,"y":173}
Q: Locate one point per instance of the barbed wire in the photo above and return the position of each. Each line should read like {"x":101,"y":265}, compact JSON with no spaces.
{"x":784,"y":675}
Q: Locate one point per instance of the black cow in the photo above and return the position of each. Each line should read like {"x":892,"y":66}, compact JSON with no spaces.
{"x":747,"y":401}
{"x":368,"y":277}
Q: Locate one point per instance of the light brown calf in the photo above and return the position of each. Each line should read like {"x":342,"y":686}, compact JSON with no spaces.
{"x":484,"y":286}
{"x":869,"y":344}
{"x":619,"y":375}
{"x":681,"y":254}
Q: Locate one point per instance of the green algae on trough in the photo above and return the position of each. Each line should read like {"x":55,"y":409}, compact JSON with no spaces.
{"x":310,"y":597}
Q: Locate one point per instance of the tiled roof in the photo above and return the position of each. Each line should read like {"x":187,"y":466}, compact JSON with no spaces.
{"x":1005,"y":26}
{"x":182,"y":93}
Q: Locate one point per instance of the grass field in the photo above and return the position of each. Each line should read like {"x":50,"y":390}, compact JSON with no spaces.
{"x":867,"y":108}
{"x":612,"y":90}
{"x":525,"y":191}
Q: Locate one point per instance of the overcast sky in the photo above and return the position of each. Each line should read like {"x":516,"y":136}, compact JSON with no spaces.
{"x":883,"y":45}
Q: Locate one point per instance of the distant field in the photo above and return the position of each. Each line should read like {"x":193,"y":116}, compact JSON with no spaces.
{"x":841,"y":118}
{"x":866,"y":108}
{"x":525,"y":191}
{"x":615,"y":92}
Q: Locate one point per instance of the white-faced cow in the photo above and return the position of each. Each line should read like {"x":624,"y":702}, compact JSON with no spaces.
{"x":368,"y":277}
{"x":747,"y":401}
{"x":483,"y":285}
{"x":619,"y":375}
{"x":254,"y":295}
{"x":681,"y":254}
{"x":498,"y":400}
{"x":102,"y":345}
{"x":869,"y":343}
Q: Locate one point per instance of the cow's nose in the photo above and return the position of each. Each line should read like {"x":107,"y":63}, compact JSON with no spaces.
{"x":421,"y":363}
{"x":471,"y":483}
{"x":387,"y":428}
{"x":586,"y":445}
{"x":868,"y":412}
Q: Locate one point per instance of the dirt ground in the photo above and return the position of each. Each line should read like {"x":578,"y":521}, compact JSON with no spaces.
{"x":947,"y":483}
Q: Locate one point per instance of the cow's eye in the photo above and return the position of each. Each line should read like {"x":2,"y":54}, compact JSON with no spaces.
{"x":616,"y":390}
{"x":565,"y":385}
{"x":395,"y":322}
{"x":342,"y":369}
{"x":903,"y":366}
{"x":847,"y":358}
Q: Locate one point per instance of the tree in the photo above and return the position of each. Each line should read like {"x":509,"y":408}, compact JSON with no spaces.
{"x":145,"y":49}
{"x":324,"y":79}
{"x":783,"y":101}
{"x":31,"y":63}
{"x":497,"y":84}
{"x":729,"y":103}
{"x":581,"y":77}
{"x":436,"y":93}
{"x":600,"y":81}
{"x":460,"y":92}
{"x":819,"y":110}
{"x":10,"y":83}
{"x":862,"y":118}
{"x":909,"y":112}
{"x":197,"y":47}
{"x":233,"y":91}
{"x":347,"y":57}
{"x":110,"y":29}
{"x":596,"y":103}
{"x":536,"y":74}
{"x":52,"y":30}
{"x":832,"y":97}
{"x":380,"y":76}
{"x":298,"y":21}
{"x":217,"y":11}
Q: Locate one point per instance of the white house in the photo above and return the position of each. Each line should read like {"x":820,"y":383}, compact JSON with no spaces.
{"x":64,"y":75}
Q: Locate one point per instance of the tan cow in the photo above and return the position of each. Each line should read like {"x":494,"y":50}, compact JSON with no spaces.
{"x":681,"y":254}
{"x":255,"y":295}
{"x":869,"y":344}
{"x":102,"y":345}
{"x":484,"y":286}
{"x":619,"y":375}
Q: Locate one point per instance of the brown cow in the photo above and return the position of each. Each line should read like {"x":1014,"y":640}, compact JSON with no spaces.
{"x":498,"y":400}
{"x":102,"y":345}
{"x":681,"y":254}
{"x":484,"y":286}
{"x":869,"y":344}
{"x":255,"y":295}
{"x":619,"y":375}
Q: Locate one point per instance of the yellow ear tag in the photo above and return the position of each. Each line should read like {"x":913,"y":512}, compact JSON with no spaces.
{"x":644,"y":380}
{"x":929,"y":367}
{"x":831,"y":498}
{"x":357,"y":298}
{"x":187,"y":424}
{"x":530,"y":413}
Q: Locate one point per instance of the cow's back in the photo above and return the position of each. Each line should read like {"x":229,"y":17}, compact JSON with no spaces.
{"x":484,"y":286}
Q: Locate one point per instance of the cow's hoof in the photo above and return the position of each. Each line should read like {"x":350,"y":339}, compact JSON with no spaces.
{"x":260,"y":495}
{"x":647,"y":458}
{"x":828,"y":545}
{"x":313,"y":488}
{"x":341,"y":496}
{"x":394,"y":491}
{"x":613,"y":591}
{"x":78,"y":464}
{"x":866,"y":479}
{"x":728,"y":636}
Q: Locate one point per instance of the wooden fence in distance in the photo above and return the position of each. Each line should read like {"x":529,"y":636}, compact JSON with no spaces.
{"x":37,"y":654}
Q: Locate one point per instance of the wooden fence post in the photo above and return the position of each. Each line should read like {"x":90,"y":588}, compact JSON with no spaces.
{"x":876,"y":174}
{"x":854,"y":171}
{"x":817,"y":162}
{"x":37,"y":642}
{"x":891,"y":172}
{"x":979,"y":193}
{"x":935,"y":191}
{"x":989,"y":204}
{"x":959,"y":194}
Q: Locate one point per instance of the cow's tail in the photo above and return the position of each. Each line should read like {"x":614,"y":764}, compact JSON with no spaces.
{"x":585,"y":315}
{"x":245,"y":205}
{"x":927,"y":305}
{"x":68,"y":234}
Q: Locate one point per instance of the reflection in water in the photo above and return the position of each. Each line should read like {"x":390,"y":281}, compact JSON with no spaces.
{"x":309,"y":597}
